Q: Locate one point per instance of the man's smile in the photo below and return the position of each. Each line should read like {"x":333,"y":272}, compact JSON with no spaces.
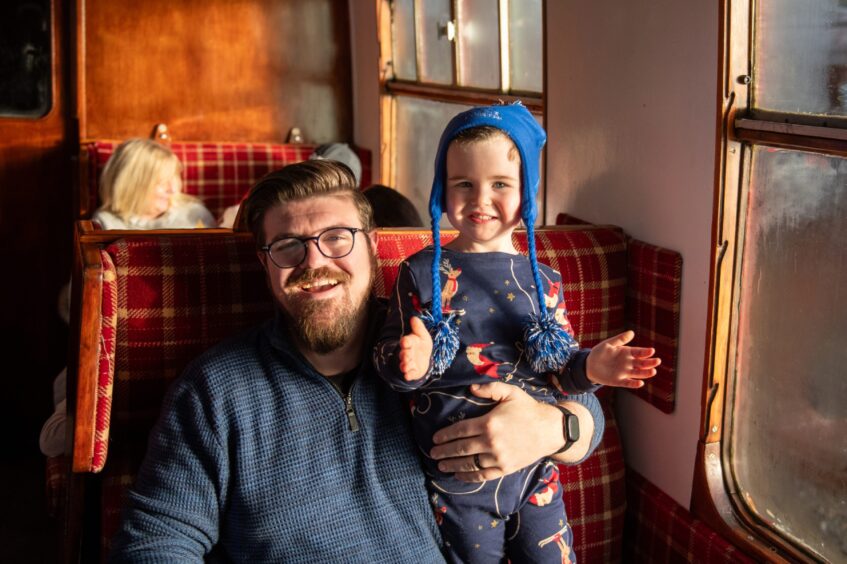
{"x":318,"y":286}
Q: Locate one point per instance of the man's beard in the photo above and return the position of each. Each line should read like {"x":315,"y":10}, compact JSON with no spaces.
{"x":324,"y":326}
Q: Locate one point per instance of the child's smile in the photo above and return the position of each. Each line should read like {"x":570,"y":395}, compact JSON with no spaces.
{"x":483,"y":194}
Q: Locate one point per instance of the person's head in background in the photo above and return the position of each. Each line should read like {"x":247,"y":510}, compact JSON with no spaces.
{"x":391,"y":208}
{"x":342,"y":153}
{"x":141,"y":179}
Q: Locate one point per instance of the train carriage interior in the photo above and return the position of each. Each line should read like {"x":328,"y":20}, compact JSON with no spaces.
{"x":693,"y":189}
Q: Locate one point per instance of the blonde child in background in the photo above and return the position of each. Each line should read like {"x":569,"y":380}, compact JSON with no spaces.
{"x":141,"y":188}
{"x":480,"y":311}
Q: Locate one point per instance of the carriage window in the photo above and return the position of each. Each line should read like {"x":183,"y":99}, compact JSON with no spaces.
{"x":25,"y":73}
{"x":442,"y":56}
{"x":789,"y":431}
{"x":776,"y":415}
{"x":802,"y":62}
{"x":427,"y":119}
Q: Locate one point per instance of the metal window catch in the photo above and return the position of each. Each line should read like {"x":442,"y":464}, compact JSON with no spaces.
{"x":447,"y":29}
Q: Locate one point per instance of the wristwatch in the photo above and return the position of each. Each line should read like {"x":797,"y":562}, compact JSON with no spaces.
{"x":570,"y":428}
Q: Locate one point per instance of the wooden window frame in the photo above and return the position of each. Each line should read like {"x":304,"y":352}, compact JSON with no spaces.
{"x":390,"y":88}
{"x":714,"y":497}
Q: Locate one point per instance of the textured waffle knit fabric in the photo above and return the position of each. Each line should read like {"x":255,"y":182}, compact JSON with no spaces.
{"x":256,"y":459}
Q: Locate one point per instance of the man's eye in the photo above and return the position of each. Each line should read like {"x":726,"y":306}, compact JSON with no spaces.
{"x":285,"y":245}
{"x":335,"y":236}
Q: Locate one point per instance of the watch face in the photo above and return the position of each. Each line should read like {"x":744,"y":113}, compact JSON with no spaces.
{"x":572,"y":426}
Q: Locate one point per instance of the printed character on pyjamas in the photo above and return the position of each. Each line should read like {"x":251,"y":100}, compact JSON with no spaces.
{"x":477,"y":311}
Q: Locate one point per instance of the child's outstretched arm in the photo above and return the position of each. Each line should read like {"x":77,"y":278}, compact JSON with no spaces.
{"x":415,"y":351}
{"x":613,"y":363}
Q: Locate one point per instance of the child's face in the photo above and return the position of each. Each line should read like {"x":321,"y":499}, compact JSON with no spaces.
{"x":483,"y":194}
{"x":166,"y":187}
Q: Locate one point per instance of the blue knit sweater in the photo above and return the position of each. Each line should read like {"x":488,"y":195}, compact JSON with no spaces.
{"x":255,"y":459}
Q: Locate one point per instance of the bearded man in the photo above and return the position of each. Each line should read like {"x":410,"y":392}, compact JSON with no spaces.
{"x":282,"y":445}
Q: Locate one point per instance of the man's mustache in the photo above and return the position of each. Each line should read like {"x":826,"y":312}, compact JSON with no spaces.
{"x":322,"y":273}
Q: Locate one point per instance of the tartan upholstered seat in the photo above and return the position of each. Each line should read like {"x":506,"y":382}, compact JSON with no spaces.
{"x":220,"y":174}
{"x":152,"y":301}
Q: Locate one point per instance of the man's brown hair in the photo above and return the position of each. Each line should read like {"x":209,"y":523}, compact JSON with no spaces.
{"x":295,"y":182}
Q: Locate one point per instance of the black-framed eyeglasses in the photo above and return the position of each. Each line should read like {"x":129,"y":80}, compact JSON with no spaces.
{"x":334,"y":243}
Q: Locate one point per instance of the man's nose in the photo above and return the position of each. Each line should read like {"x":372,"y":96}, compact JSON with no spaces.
{"x":314,"y":257}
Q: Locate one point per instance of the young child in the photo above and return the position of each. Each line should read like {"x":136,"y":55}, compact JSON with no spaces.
{"x":141,"y":188}
{"x":479,"y":311}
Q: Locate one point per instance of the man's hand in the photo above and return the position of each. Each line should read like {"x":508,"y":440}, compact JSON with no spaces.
{"x":612,"y":363}
{"x":415,"y":351}
{"x":513,"y":435}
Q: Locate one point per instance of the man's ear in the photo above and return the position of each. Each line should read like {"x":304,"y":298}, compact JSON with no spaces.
{"x":374,"y":237}
{"x":263,"y":258}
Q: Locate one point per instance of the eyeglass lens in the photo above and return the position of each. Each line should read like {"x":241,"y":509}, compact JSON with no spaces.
{"x":332,"y":243}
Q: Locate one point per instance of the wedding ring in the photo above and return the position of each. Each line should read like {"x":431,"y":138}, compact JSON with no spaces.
{"x":476,"y":462}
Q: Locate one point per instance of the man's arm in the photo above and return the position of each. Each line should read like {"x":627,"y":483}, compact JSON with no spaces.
{"x":173,"y":509}
{"x":516,"y":433}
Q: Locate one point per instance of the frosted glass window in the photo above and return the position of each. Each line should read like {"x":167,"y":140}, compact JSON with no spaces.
{"x":479,"y":43}
{"x":789,"y":417}
{"x":404,"y":40}
{"x":436,"y":50}
{"x":525,"y":48}
{"x":801,"y":56}
{"x":419,"y":126}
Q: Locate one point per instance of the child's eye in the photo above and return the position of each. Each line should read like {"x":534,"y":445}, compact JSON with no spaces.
{"x":462,"y":185}
{"x":500,"y":184}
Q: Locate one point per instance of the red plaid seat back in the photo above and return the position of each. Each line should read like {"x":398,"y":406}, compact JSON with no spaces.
{"x":166,"y":298}
{"x":220,"y":174}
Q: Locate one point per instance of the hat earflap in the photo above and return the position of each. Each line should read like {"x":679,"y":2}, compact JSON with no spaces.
{"x":444,"y":331}
{"x":548,"y":346}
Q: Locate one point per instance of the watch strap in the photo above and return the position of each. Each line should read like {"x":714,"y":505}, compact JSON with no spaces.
{"x":570,"y":428}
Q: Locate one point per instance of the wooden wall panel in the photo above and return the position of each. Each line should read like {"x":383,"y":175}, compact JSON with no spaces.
{"x":35,"y":230}
{"x":215,"y":69}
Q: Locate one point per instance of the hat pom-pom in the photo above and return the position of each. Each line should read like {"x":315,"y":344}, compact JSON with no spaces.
{"x":445,"y":340}
{"x":548,"y":345}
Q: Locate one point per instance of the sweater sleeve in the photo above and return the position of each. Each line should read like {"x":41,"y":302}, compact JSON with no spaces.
{"x":404,"y":303}
{"x":573,"y":377}
{"x":590,"y":401}
{"x":173,"y":510}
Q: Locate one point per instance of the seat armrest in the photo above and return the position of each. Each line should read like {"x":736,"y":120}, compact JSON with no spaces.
{"x":84,"y":371}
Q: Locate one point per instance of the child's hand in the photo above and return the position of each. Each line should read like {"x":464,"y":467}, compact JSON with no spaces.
{"x":415,"y":351}
{"x":612,"y":363}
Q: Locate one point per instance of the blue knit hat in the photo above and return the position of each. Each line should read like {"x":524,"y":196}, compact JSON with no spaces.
{"x":548,"y":346}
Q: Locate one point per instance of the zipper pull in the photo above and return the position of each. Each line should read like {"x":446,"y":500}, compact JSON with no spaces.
{"x":351,"y":415}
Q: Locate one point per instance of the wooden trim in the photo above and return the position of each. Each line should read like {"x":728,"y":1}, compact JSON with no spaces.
{"x":84,"y":370}
{"x":417,"y":19}
{"x":826,"y":145}
{"x":790,"y":129}
{"x":714,"y":499}
{"x":79,"y":39}
{"x":710,"y":504}
{"x":468,"y":96}
{"x":386,"y":103}
{"x":503,"y":17}
{"x":458,"y":60}
{"x":84,"y":207}
{"x":544,"y":119}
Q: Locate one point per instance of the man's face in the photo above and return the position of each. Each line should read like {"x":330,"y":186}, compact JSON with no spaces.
{"x":323,"y":299}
